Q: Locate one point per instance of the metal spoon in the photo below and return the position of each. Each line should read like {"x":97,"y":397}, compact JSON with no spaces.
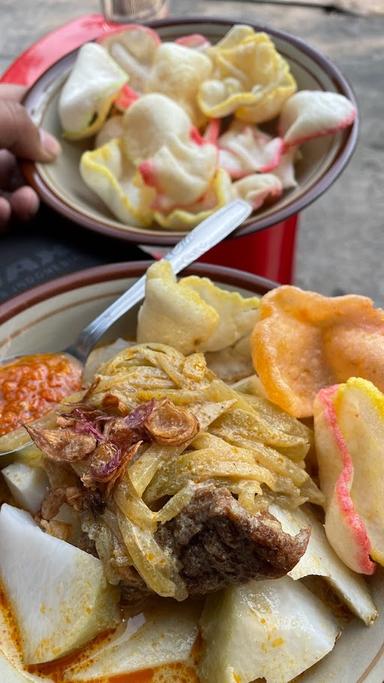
{"x":202,"y":238}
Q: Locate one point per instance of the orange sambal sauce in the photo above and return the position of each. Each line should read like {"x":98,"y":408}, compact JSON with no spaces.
{"x":32,"y":385}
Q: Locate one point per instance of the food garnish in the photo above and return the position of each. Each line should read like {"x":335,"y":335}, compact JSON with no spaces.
{"x":171,"y":425}
{"x":166,"y":152}
{"x":60,"y":445}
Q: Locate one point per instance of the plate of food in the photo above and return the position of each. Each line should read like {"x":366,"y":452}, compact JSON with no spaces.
{"x":206,"y":507}
{"x":161,"y":126}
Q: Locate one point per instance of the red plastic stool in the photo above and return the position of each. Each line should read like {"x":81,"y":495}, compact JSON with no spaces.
{"x":269,"y":253}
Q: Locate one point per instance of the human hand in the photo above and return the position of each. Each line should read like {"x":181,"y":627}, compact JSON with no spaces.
{"x":19,"y":138}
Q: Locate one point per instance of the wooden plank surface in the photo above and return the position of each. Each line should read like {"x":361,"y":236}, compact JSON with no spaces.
{"x":341,"y":243}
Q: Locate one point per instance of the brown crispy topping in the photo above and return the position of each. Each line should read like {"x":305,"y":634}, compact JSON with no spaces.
{"x":171,"y":425}
{"x":104,"y":461}
{"x":120,"y":434}
{"x":52,"y":503}
{"x":94,"y":501}
{"x":127,"y":457}
{"x":107,"y":464}
{"x":137,"y":417}
{"x":63,"y":444}
{"x":75,"y":497}
{"x":111,"y":402}
{"x":91,"y":389}
{"x":64,"y":421}
{"x":106,"y":444}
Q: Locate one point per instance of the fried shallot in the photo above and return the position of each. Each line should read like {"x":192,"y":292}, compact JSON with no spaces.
{"x":62,"y":444}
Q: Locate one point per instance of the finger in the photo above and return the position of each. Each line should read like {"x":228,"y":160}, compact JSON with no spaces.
{"x":19,"y":134}
{"x":24,"y":203}
{"x":5,"y":213}
{"x":9,"y":173}
{"x":11,"y":91}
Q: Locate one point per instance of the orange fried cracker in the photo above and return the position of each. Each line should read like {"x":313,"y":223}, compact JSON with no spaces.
{"x":305,"y":341}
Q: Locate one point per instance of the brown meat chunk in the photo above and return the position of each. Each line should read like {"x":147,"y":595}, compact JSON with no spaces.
{"x":218,"y":543}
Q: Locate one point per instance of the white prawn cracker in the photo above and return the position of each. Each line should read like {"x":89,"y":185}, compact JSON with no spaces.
{"x":149,"y":123}
{"x":194,"y":313}
{"x":258,"y":188}
{"x":87,"y":95}
{"x":134,"y":49}
{"x":180,"y":172}
{"x":160,"y":107}
{"x":310,"y":113}
{"x":177,"y":72}
{"x":156,"y":168}
{"x":109,"y":173}
{"x":218,"y":194}
{"x":245,"y":149}
{"x":250,"y":78}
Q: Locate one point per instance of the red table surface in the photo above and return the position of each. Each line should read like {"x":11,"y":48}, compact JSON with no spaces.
{"x":269,"y":253}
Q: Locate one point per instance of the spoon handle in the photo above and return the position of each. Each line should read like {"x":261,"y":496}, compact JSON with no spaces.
{"x":205,"y":236}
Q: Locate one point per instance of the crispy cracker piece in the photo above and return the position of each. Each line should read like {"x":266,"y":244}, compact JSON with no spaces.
{"x":309,"y":114}
{"x":305,"y":341}
{"x":250,"y":78}
{"x":349,"y":431}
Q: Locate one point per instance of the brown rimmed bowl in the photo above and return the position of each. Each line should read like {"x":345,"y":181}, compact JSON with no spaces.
{"x":51,"y":315}
{"x":323,"y":159}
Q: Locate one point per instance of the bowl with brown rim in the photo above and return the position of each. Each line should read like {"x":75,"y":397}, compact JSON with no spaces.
{"x":49,"y":317}
{"x":60,"y":184}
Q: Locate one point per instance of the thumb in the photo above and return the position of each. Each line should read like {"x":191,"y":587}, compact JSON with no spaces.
{"x":20,"y":136}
